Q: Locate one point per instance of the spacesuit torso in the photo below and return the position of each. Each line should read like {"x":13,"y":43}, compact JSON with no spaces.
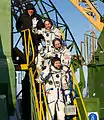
{"x":56,"y":82}
{"x":63,"y":53}
{"x":49,"y":36}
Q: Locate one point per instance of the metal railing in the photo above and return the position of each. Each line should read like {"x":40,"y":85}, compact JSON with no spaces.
{"x":75,"y":85}
{"x":28,"y":44}
{"x":37,"y":109}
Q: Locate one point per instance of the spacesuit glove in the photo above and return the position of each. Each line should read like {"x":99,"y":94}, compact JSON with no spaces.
{"x":48,"y":55}
{"x":45,"y":79}
{"x":67,"y":97}
{"x":67,"y":92}
{"x":34,"y":30}
{"x":34,"y":22}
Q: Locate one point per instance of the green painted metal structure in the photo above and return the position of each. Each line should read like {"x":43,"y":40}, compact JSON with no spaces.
{"x":96,"y":74}
{"x":92,"y":105}
{"x":3,"y":106}
{"x":7,"y":71}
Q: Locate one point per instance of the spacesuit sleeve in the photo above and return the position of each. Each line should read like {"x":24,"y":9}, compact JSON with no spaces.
{"x":64,"y":81}
{"x":67,"y":72}
{"x":39,"y":32}
{"x":48,"y":54}
{"x":67,"y":57}
{"x":35,"y":31}
{"x":57,"y":33}
{"x":45,"y":75}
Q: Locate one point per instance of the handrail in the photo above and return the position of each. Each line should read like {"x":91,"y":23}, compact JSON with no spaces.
{"x":74,"y":80}
{"x":41,"y":90}
{"x":45,"y":100}
{"x":34,"y":88}
{"x":28,"y":44}
{"x":33,"y":105}
{"x":76,"y":83}
{"x":33,"y":52}
{"x":79,"y":115}
{"x":40,"y":102}
{"x":39,"y":106}
{"x":76,"y":104}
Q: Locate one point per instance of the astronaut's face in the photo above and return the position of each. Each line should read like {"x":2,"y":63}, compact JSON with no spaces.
{"x":30,"y":12}
{"x":47,"y":25}
{"x":57,"y":44}
{"x":57,"y":64}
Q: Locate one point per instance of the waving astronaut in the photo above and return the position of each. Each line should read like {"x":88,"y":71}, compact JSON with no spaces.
{"x":49,"y":32}
{"x":56,"y":88}
{"x":61,"y":51}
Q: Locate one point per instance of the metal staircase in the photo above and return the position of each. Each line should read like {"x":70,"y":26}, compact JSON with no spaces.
{"x":38,"y":101}
{"x":39,"y":106}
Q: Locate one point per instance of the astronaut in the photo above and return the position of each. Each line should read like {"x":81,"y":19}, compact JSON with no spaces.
{"x":61,"y":51}
{"x":57,"y":88}
{"x":49,"y":32}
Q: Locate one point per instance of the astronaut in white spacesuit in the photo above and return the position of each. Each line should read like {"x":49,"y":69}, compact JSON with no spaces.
{"x":61,"y":51}
{"x":58,"y":50}
{"x":49,"y":32}
{"x":57,"y":88}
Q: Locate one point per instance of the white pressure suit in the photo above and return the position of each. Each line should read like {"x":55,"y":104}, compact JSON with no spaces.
{"x":56,"y":86}
{"x":49,"y":36}
{"x":63,"y":53}
{"x":39,"y":60}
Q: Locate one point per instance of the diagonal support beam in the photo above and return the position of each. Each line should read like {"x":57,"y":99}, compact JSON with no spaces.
{"x":96,"y":19}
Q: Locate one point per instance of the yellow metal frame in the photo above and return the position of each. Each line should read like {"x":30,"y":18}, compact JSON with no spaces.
{"x":27,"y":49}
{"x":34,"y":88}
{"x":96,"y":21}
{"x":24,"y":67}
{"x":75,"y":83}
{"x":62,"y":33}
{"x":45,"y":101}
{"x":28,"y":44}
{"x":39,"y":102}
